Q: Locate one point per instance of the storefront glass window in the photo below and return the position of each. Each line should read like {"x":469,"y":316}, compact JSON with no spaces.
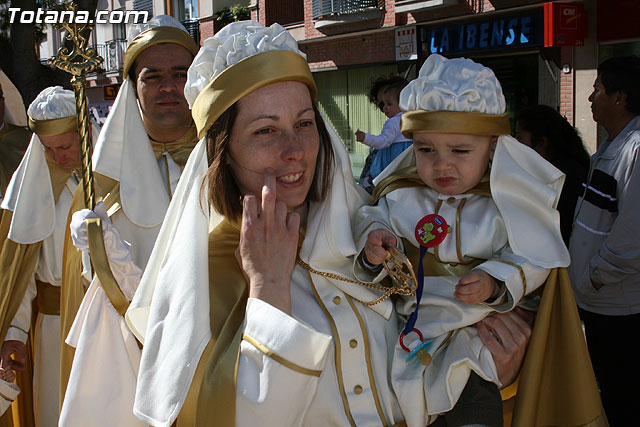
{"x":343,"y":98}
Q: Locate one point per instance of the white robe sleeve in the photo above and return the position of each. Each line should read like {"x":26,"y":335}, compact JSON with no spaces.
{"x":21,"y":322}
{"x":519,"y":275}
{"x":281,"y":360}
{"x":369,"y":218}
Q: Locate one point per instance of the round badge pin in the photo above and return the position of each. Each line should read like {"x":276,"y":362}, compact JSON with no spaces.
{"x":431,"y":230}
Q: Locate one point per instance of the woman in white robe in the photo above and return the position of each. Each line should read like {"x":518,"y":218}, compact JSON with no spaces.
{"x":289,"y":338}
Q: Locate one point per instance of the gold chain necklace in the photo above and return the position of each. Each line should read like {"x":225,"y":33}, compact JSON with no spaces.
{"x":75,"y":177}
{"x":395,"y":266}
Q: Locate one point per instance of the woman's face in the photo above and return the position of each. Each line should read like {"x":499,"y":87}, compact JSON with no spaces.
{"x":275,"y":128}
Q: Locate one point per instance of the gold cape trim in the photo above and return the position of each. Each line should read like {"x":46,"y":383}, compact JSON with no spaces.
{"x":454,"y":122}
{"x":281,"y":360}
{"x":100,"y":263}
{"x":152,"y":37}
{"x":557,"y":386}
{"x":211,"y":400}
{"x":243,"y":78}
{"x":54,"y":126}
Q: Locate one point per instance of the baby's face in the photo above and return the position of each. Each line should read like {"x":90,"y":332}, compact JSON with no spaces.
{"x":452,"y":163}
{"x":389,"y":103}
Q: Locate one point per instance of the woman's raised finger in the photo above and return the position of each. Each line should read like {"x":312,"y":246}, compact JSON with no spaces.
{"x":268,"y":196}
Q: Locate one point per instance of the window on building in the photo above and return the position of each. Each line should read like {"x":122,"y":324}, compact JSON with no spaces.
{"x":186,"y":10}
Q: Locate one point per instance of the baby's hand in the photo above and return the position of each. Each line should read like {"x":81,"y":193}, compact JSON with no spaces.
{"x":474,"y":287}
{"x":374,"y":248}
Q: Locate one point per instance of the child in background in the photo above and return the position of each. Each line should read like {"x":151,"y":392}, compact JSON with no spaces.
{"x":390,"y":143}
{"x":474,"y":211}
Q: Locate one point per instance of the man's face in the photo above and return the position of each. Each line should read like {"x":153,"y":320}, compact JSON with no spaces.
{"x":603,"y":106}
{"x":161,"y":72}
{"x":64,"y":149}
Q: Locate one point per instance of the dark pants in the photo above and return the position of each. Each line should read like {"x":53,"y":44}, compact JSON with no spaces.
{"x":612,"y":343}
{"x":479,"y":403}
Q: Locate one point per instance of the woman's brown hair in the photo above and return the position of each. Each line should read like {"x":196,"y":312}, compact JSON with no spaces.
{"x":220,"y":184}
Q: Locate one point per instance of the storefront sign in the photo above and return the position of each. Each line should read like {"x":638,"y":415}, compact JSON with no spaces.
{"x":406,"y":44}
{"x":110,"y":92}
{"x":500,"y":33}
{"x":565,"y":24}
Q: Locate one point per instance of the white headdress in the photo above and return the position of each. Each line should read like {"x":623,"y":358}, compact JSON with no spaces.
{"x":29,"y":194}
{"x":459,"y":96}
{"x":123,"y":152}
{"x":170,"y":311}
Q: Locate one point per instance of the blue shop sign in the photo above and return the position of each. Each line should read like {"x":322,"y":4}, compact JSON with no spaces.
{"x":504,"y":32}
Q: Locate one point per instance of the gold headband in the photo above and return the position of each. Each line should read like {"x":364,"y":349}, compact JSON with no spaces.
{"x":244,"y":77}
{"x":454,"y":122}
{"x":152,"y":37}
{"x":54,"y":126}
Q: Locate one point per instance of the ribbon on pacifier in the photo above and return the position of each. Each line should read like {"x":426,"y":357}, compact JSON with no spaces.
{"x":430,"y":232}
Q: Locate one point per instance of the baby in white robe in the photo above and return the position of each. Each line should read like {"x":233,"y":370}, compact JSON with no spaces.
{"x":474,"y":211}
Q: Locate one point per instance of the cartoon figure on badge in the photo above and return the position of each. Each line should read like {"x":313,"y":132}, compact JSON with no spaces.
{"x":431,"y":230}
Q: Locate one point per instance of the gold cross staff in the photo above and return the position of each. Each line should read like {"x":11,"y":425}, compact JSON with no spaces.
{"x":78,"y":62}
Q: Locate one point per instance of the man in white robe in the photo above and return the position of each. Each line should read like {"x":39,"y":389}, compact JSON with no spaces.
{"x":138,"y":160}
{"x":34,"y":220}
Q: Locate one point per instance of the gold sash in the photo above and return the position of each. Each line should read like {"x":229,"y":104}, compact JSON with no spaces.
{"x":48,"y":298}
{"x":211,"y":400}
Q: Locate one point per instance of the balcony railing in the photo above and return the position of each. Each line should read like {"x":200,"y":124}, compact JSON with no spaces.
{"x":113,"y":53}
{"x":323,"y":8}
{"x":193,"y":28}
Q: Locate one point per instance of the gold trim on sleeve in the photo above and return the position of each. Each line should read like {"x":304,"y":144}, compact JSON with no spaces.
{"x":7,"y":398}
{"x":281,"y":360}
{"x":513,"y":264}
{"x":19,"y":328}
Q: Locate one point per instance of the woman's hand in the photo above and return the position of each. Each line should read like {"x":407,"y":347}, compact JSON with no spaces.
{"x":506,"y":335}
{"x":268,"y":245}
